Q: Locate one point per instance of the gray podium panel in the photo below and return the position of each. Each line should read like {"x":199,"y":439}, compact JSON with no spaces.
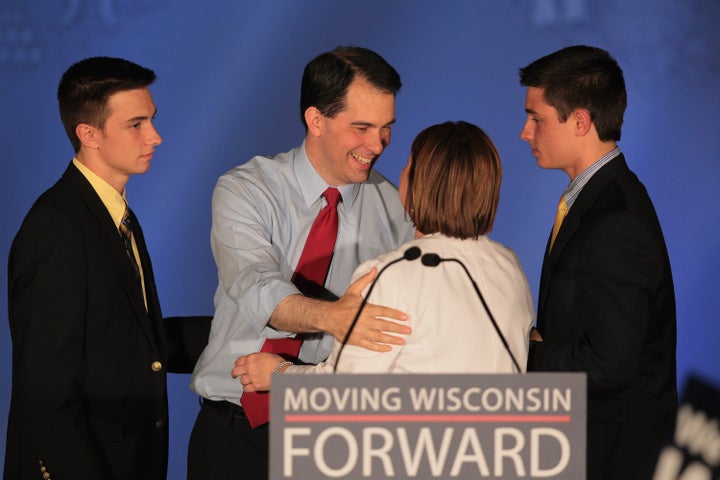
{"x":428,"y":426}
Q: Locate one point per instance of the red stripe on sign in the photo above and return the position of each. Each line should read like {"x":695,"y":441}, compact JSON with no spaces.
{"x":373,"y":418}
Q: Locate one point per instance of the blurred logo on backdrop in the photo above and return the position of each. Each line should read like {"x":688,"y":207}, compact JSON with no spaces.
{"x":694,"y":452}
{"x":30,"y":30}
{"x":671,"y":35}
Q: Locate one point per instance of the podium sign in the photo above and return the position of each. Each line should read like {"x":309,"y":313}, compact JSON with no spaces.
{"x":428,"y":426}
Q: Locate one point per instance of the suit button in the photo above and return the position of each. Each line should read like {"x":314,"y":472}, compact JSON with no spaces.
{"x":156,"y":366}
{"x":45,"y":473}
{"x":159,"y":424}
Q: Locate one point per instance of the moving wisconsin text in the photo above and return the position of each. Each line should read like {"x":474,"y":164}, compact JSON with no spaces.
{"x":428,"y":426}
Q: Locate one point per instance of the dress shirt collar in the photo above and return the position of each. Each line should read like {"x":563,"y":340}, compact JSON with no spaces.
{"x":113,"y":200}
{"x":575,"y":187}
{"x":312,"y":184}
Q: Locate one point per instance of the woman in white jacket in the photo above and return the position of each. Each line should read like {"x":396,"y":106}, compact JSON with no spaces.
{"x":450,"y":189}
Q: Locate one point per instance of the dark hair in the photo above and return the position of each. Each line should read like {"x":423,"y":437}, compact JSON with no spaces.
{"x":453,"y":181}
{"x":327,"y":77}
{"x":87,"y":85}
{"x":582,"y":77}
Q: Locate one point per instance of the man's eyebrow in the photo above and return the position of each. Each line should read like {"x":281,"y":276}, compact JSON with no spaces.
{"x":531,"y":111}
{"x":137,"y":119}
{"x":140,"y":118}
{"x":361,"y":123}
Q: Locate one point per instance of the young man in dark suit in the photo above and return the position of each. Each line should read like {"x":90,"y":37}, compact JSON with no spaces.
{"x":606,"y":302}
{"x":89,"y":396}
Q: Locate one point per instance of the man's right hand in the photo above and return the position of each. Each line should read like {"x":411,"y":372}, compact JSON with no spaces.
{"x":377,"y":324}
{"x":377,"y":328}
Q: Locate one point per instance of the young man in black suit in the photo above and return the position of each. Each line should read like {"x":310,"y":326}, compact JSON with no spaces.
{"x":606,"y":303}
{"x":89,"y":396}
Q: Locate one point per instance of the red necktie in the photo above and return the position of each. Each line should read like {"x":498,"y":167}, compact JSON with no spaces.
{"x":309,"y":278}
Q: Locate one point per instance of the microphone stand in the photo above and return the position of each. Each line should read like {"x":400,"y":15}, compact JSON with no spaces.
{"x":433,"y":260}
{"x":410,"y":254}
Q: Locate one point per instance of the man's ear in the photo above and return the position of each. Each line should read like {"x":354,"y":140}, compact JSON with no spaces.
{"x":582,"y":120}
{"x":314,"y":120}
{"x":87,"y":134}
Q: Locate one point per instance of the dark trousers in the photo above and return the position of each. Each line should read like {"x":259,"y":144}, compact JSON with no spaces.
{"x":224,"y":447}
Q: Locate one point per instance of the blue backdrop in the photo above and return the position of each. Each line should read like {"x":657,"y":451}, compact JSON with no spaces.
{"x":228,"y":89}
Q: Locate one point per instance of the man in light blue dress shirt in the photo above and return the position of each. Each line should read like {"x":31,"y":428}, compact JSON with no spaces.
{"x":262,"y":214}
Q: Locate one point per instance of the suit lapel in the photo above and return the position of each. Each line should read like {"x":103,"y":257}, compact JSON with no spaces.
{"x":116,"y":252}
{"x":572,"y":223}
{"x":153,"y":302}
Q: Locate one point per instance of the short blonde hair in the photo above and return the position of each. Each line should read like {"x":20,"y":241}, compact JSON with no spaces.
{"x":453,"y":181}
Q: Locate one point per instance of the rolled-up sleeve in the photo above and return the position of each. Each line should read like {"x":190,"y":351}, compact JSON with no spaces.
{"x":248,"y":264}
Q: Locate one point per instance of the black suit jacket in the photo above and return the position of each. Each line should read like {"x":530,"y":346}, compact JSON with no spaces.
{"x":607,"y":307}
{"x":89,"y":395}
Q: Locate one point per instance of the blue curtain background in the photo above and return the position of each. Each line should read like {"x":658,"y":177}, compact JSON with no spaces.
{"x":228,"y":89}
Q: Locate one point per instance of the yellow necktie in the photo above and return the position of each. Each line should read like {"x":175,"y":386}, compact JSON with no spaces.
{"x":128,"y":223}
{"x":126,"y":226}
{"x":562,"y":210}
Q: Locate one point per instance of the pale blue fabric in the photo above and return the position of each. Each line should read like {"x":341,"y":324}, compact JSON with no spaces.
{"x":262,"y":212}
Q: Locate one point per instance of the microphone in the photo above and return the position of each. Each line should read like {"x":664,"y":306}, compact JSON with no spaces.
{"x":410,"y":254}
{"x":433,"y":260}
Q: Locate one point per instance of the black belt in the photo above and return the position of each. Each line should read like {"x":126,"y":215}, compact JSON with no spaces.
{"x":225,"y":407}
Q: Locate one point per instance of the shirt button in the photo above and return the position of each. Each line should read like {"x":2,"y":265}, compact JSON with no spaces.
{"x":159,"y":424}
{"x":156,"y":366}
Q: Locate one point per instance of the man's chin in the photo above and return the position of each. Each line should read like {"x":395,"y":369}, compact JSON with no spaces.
{"x":142,"y":169}
{"x":362,"y":176}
